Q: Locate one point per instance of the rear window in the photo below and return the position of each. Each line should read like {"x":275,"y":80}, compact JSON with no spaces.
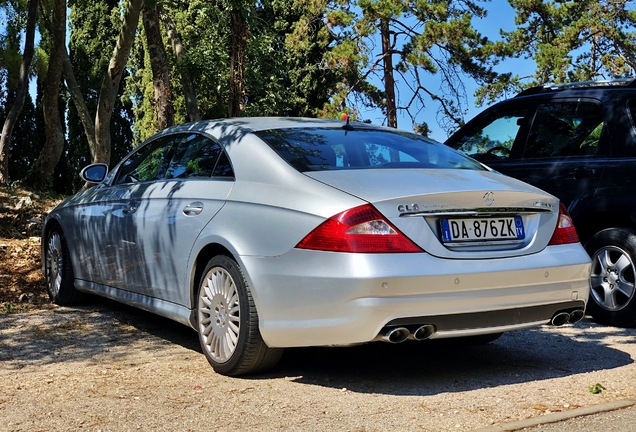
{"x":320,"y":149}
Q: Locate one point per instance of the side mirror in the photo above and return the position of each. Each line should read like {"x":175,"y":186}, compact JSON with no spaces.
{"x":95,"y":173}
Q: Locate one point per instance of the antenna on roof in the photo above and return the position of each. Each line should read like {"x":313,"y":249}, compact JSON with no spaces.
{"x":346,"y":117}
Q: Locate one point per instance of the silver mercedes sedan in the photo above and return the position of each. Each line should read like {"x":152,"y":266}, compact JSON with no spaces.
{"x":267,"y":233}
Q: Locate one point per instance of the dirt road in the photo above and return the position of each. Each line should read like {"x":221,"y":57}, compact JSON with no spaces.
{"x":106,"y":367}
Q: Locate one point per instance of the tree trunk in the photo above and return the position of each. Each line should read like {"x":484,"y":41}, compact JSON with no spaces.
{"x":78,"y":100}
{"x":44,"y":166}
{"x":389,"y":82}
{"x":179,"y":52}
{"x":110,"y":85}
{"x":159,"y":66}
{"x":23,"y":88}
{"x":238,"y":42}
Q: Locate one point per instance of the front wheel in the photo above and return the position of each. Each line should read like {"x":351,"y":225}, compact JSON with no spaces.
{"x":613,"y":253}
{"x":227,"y":321}
{"x":58,"y":270}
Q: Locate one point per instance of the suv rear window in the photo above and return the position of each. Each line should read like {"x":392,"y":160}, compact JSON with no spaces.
{"x":320,"y":149}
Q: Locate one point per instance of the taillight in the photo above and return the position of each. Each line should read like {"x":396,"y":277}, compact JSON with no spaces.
{"x":564,"y":232}
{"x":361,"y":229}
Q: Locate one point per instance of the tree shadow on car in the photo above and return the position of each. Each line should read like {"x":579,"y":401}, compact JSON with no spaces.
{"x":438,"y":366}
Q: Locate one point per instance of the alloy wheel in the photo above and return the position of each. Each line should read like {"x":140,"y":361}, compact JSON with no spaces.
{"x":612,"y":279}
{"x":219,"y":314}
{"x":54,"y":263}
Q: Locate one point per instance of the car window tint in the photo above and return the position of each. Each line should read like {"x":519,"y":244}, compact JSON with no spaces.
{"x":223,"y":167}
{"x":381,"y":154}
{"x":495,"y":139}
{"x":565,"y":129}
{"x":195,"y":157}
{"x":148,"y":163}
{"x":319,"y":149}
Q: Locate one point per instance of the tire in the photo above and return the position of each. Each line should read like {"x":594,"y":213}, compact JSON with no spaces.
{"x":612,"y":294}
{"x":227,"y":322}
{"x":58,"y":270}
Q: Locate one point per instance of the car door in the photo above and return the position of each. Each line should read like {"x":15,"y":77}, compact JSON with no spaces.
{"x":167,"y":214}
{"x":111,"y":253}
{"x":615,"y":199}
{"x":565,"y":150}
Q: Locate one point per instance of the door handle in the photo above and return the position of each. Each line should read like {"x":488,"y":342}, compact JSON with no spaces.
{"x":129,"y":210}
{"x":193,"y":209}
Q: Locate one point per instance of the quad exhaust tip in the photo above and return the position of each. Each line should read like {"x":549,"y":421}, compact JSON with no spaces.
{"x":563,"y":317}
{"x":560,"y":318}
{"x":397,"y":334}
{"x":422,"y":333}
{"x":576,"y":315}
{"x":400,"y":334}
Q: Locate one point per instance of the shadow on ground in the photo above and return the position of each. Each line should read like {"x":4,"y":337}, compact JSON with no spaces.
{"x":440,"y":366}
{"x":105,"y":329}
{"x":96,"y":330}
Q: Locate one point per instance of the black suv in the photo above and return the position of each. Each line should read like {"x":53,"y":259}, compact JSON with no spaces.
{"x":578,"y":142}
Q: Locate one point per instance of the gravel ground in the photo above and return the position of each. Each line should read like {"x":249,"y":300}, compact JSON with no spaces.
{"x":107,"y":367}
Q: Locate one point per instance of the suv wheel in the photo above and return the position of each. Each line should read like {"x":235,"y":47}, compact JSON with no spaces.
{"x":612,"y":293}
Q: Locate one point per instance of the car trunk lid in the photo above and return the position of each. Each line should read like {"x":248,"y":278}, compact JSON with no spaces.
{"x":455,"y":213}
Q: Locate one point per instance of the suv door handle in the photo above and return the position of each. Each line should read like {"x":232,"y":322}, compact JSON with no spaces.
{"x":582,"y":172}
{"x":193,"y":209}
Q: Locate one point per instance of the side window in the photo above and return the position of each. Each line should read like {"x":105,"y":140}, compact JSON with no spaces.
{"x":495,"y":139}
{"x":565,"y":129}
{"x":223,"y":167}
{"x":148,"y":163}
{"x":195,"y":157}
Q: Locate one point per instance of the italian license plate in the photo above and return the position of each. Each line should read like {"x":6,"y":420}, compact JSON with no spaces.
{"x":481,"y":229}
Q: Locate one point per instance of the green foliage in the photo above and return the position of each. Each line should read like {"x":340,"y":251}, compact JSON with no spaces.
{"x":596,"y":388}
{"x":569,"y":41}
{"x":94,"y":28}
{"x":318,"y":58}
{"x":435,"y":47}
{"x":28,"y":135}
{"x":26,"y":143}
{"x":139,"y":90}
{"x":10,"y":50}
{"x":285,"y":75}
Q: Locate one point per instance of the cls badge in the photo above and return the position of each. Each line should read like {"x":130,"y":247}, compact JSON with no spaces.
{"x":489,"y":198}
{"x":409,"y":208}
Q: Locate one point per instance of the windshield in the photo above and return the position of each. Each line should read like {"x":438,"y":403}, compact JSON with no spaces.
{"x":320,"y":149}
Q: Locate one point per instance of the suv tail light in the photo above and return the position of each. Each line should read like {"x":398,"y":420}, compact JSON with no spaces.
{"x":361,"y":229}
{"x":564,"y":232}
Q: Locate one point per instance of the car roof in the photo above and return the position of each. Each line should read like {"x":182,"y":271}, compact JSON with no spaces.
{"x":255,"y":124}
{"x":600,"y":86}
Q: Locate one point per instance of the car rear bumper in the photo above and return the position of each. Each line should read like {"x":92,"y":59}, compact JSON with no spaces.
{"x":310,"y":298}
